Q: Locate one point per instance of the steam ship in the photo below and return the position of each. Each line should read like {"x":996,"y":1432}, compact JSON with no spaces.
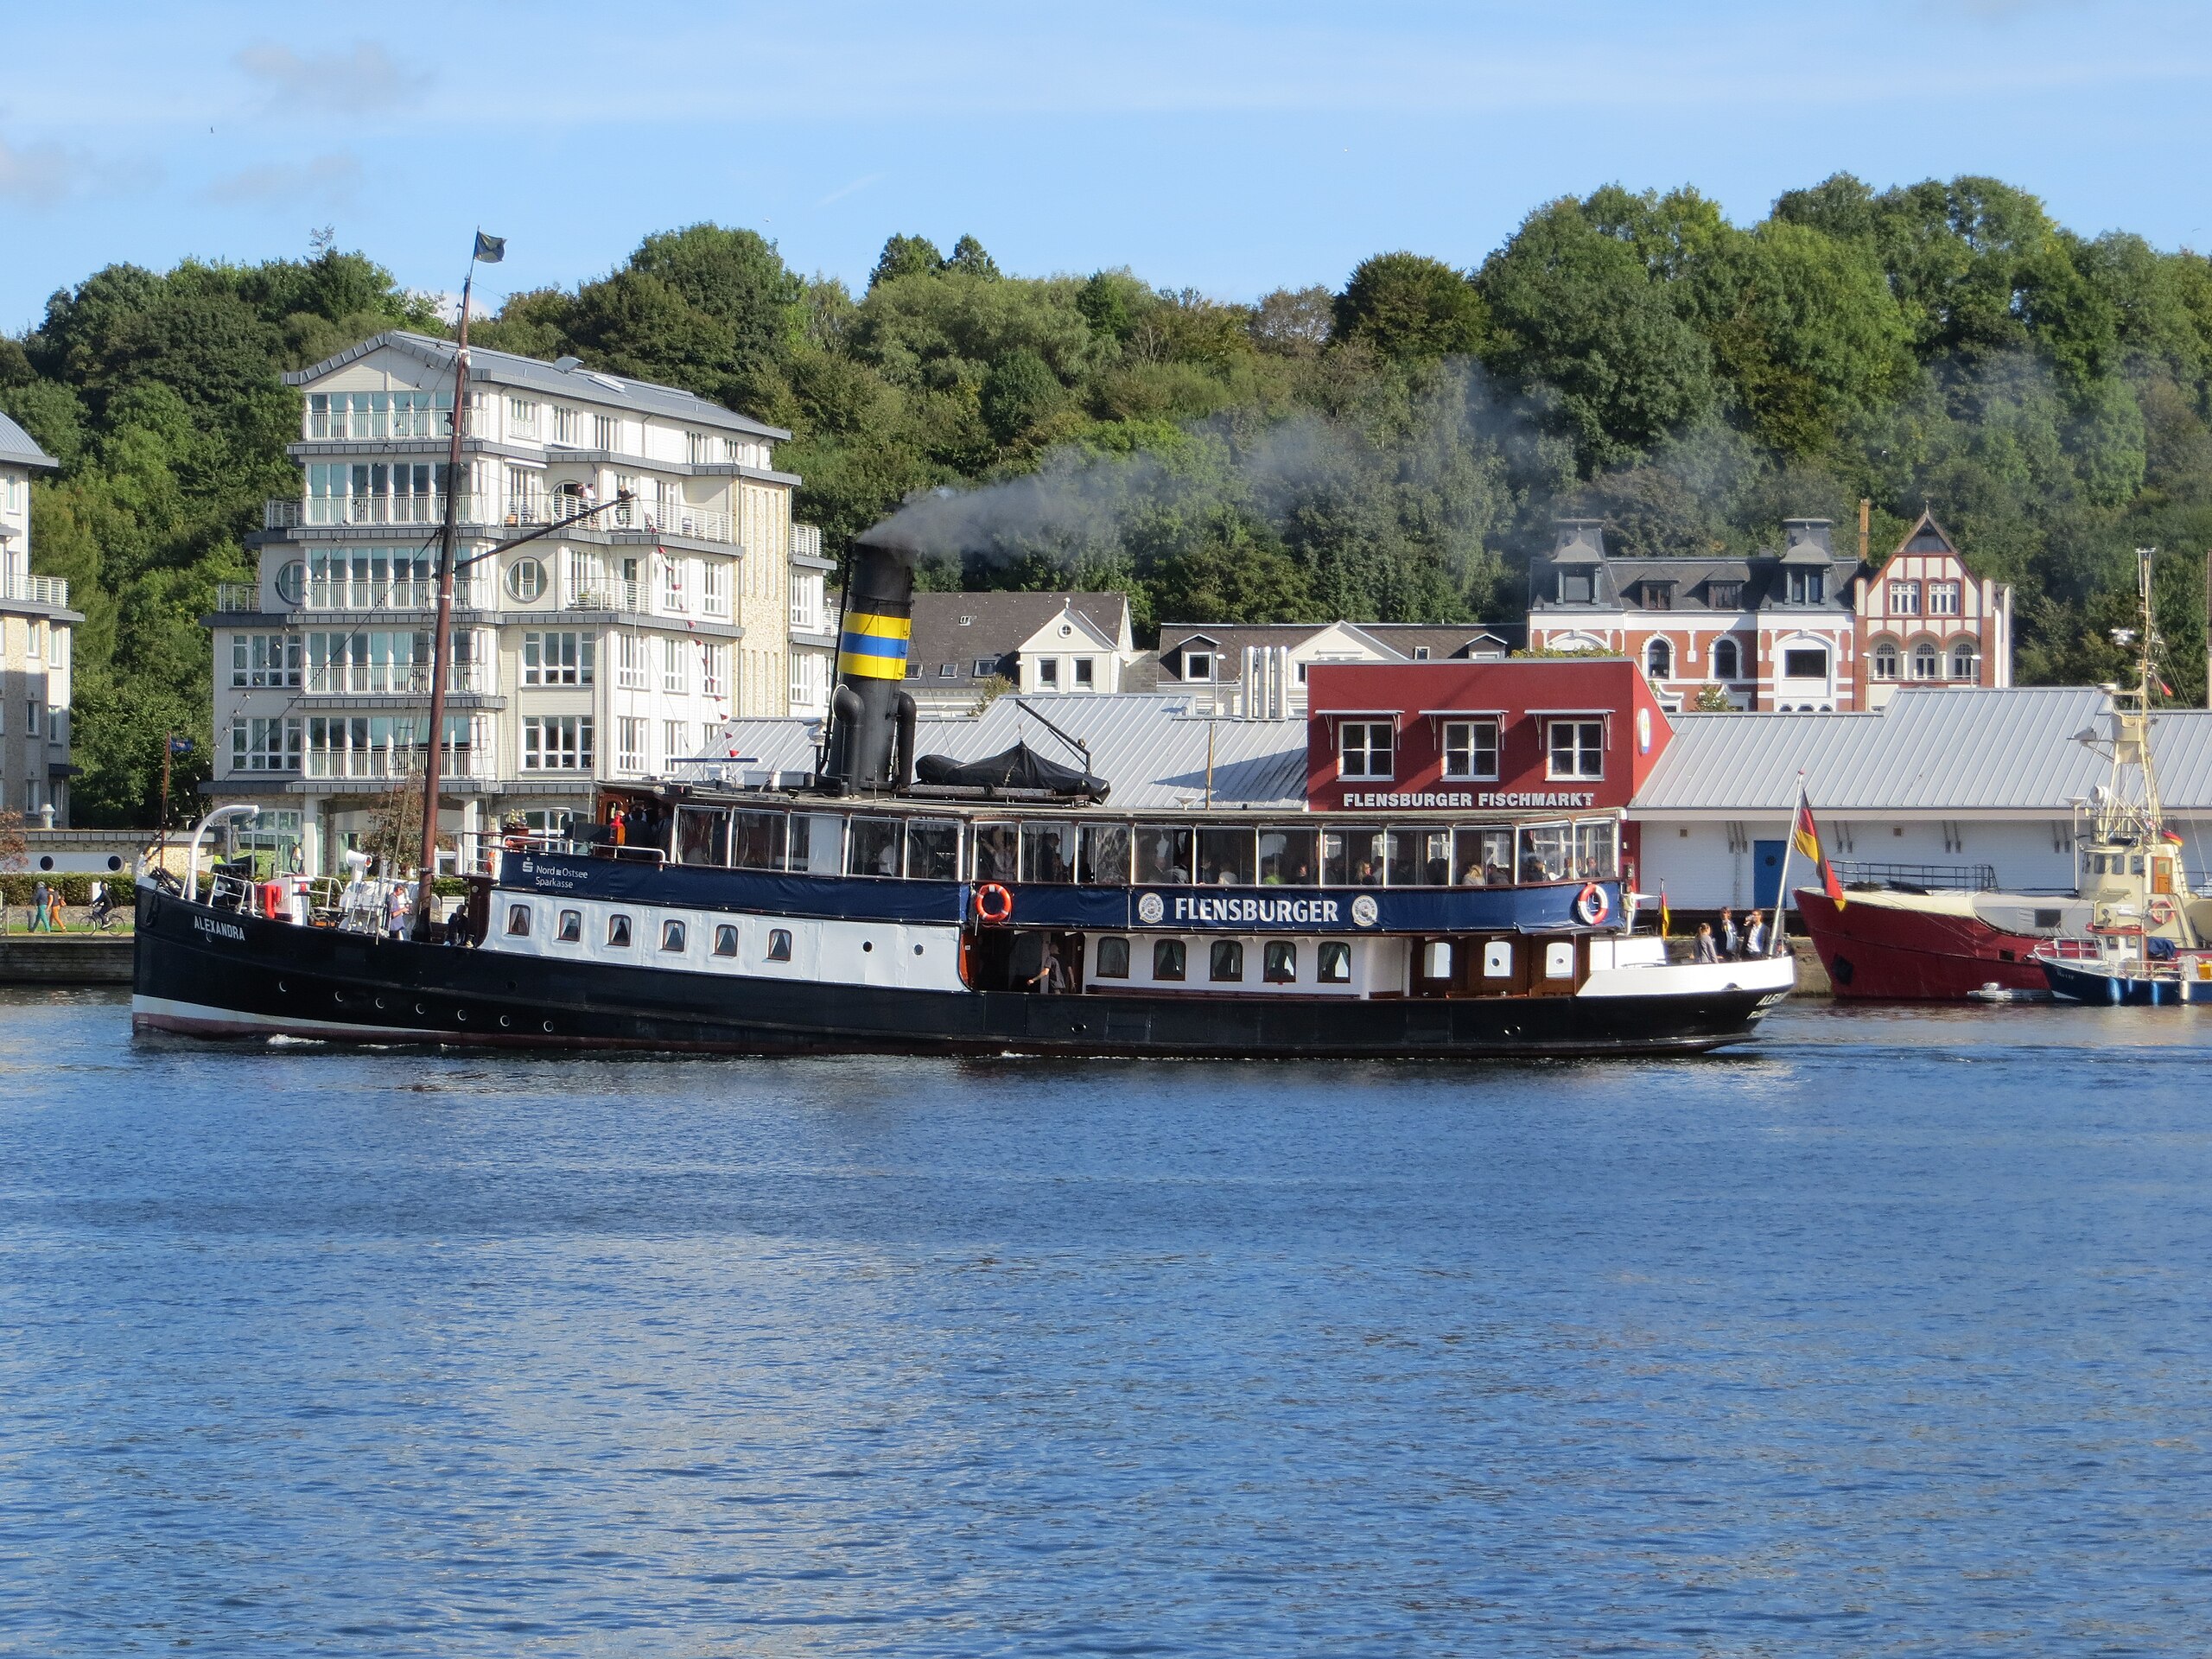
{"x":905,"y":904}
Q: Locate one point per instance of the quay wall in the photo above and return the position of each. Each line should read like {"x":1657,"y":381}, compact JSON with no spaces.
{"x":65,"y":960}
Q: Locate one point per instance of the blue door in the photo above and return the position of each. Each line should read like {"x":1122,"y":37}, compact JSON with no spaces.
{"x":1766,"y":874}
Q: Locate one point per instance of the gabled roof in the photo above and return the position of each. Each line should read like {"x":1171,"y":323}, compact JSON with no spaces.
{"x":964,"y":629}
{"x":1926,"y":536}
{"x":586,"y":386}
{"x":19,"y":448}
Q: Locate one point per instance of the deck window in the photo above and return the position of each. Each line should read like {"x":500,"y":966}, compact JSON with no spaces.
{"x":518,"y":921}
{"x":1546,"y":850}
{"x":1163,"y":855}
{"x":1280,"y":966}
{"x":1594,"y":850}
{"x":618,"y":932}
{"x":1112,"y":960}
{"x":1168,"y":959}
{"x":1352,"y":858}
{"x":779,"y":945}
{"x":572,"y":927}
{"x":1225,"y":858}
{"x":997,"y":853}
{"x":1483,"y":856}
{"x":933,"y":850}
{"x":757,"y":841}
{"x":701,"y":835}
{"x":1436,"y":959}
{"x":1420,"y":858}
{"x":1332,"y":961}
{"x":1103,"y":855}
{"x":1048,"y":852}
{"x":1289,"y":858}
{"x":873,"y":847}
{"x":817,"y":843}
{"x":726,"y":940}
{"x":672,"y":936}
{"x":1226,"y":963}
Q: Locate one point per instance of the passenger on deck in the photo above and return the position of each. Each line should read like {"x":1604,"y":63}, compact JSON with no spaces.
{"x":1474,"y":875}
{"x":1705,"y":950}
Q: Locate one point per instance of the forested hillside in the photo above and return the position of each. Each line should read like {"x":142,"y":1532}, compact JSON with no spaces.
{"x":1394,"y":450}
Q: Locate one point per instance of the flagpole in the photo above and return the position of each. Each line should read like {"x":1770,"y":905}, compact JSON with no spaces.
{"x":1782,"y":894}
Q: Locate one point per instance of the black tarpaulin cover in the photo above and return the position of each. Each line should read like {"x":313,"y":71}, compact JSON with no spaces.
{"x":1018,"y":768}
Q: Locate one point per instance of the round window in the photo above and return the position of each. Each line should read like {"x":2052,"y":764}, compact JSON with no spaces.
{"x":525,"y":581}
{"x":291,"y":582}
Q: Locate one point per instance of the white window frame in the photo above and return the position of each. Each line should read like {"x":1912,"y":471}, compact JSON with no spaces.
{"x":557,"y":743}
{"x":1904,"y":598}
{"x":713,"y":674}
{"x":1367,"y":749}
{"x":675,"y":740}
{"x":630,"y":669}
{"x":265,"y":661}
{"x":1734,"y":647}
{"x":1193,"y":674}
{"x":558,"y":656}
{"x":630,"y":743}
{"x":672,"y":585}
{"x":1584,"y":751}
{"x":713,"y":588}
{"x":675,"y":667}
{"x":1465,"y":743}
{"x":1943,"y":599}
{"x":269,"y":745}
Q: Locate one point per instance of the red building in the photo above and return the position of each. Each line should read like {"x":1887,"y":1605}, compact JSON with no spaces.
{"x":1516,"y":736}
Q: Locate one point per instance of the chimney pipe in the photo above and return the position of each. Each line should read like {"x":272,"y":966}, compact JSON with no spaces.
{"x":873,"y":634}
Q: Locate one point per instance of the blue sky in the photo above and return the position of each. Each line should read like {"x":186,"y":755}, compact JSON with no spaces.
{"x":1232,"y":147}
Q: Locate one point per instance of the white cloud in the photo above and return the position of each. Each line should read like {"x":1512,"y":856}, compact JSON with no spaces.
{"x":366,"y":77}
{"x":41,"y":174}
{"x":326,"y":180}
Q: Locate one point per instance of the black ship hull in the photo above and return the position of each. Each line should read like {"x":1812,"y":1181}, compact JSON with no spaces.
{"x":218,"y":973}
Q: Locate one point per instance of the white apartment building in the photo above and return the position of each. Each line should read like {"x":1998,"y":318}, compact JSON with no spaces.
{"x":609,"y":650}
{"x":36,"y":628}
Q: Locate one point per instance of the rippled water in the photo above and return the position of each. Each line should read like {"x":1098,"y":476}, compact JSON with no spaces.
{"x":1890,"y":1337}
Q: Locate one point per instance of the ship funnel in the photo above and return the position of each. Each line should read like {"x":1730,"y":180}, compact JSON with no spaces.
{"x":871,"y":714}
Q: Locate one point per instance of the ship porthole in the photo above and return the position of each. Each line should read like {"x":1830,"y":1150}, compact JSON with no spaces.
{"x":503,"y":1022}
{"x":418,"y":1007}
{"x":460,"y":1016}
{"x":284,"y":988}
{"x":918,"y":950}
{"x":867,"y":945}
{"x":548,"y":1025}
{"x":379,"y":1002}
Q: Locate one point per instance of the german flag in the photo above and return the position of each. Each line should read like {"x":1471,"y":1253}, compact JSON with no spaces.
{"x":1808,"y":839}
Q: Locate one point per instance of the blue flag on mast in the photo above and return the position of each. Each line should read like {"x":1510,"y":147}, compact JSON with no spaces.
{"x":490,"y":249}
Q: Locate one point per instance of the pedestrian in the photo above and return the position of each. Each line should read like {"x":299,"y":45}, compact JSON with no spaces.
{"x":41,"y":921}
{"x":1754,"y":936}
{"x":1730,"y":941}
{"x":1049,"y":979}
{"x":1705,"y":950}
{"x":59,"y":923}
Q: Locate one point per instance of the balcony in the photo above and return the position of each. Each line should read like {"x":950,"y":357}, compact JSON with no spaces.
{"x":499,"y":513}
{"x":603,"y":594}
{"x":807,"y":541}
{"x":36,"y":590}
{"x":397,"y":679}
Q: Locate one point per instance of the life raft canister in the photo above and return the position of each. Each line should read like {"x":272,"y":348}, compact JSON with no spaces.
{"x":1592,"y":904}
{"x":994,"y":904}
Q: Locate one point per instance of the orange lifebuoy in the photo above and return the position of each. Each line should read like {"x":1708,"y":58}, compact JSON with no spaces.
{"x":994,"y":904}
{"x":1590,"y":904}
{"x":2161,"y":910}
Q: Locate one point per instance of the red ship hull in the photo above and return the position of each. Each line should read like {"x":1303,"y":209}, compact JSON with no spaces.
{"x":1887,"y":952}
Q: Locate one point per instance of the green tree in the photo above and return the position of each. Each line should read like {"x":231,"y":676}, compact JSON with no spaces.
{"x":1407,"y":306}
{"x":905,"y":256}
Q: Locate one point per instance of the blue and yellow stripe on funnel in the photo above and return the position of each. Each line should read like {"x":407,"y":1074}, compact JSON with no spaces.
{"x":875,"y":647}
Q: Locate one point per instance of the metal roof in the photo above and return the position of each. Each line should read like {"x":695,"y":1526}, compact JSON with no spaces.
{"x":18,"y":447}
{"x":1148,"y":748}
{"x":585,"y":385}
{"x":1930,"y":750}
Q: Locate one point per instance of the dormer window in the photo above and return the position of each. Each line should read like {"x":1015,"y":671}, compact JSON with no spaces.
{"x":1197,"y":665}
{"x":1420,"y":653}
{"x":967,"y":621}
{"x":1808,"y":587}
{"x":1725,"y":595}
{"x":1657,"y":596}
{"x":1574,"y":586}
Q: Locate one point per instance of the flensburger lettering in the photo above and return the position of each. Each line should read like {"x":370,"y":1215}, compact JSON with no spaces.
{"x":1320,"y":913}
{"x":220,"y":930}
{"x":1355,"y":799}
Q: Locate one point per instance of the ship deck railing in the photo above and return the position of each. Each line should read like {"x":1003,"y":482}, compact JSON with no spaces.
{"x":1916,"y":878}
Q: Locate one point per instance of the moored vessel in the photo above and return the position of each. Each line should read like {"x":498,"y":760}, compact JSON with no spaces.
{"x":898,"y":904}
